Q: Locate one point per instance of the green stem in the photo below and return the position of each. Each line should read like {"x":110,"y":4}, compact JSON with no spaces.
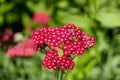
{"x":60,"y":75}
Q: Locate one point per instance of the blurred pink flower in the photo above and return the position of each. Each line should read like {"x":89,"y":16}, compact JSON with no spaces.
{"x":41,"y":17}
{"x":6,"y":37}
{"x":24,"y":48}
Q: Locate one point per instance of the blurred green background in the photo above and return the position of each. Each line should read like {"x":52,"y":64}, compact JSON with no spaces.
{"x":99,"y":18}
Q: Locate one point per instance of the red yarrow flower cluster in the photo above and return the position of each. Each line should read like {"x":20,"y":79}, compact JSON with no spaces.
{"x":69,"y":38}
{"x":41,"y":18}
{"x":24,"y":48}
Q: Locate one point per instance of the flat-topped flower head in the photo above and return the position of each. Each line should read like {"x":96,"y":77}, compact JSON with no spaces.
{"x":67,"y":34}
{"x":71,"y":39}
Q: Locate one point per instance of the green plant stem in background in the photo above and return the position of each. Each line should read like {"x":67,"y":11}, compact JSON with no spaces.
{"x":60,"y":75}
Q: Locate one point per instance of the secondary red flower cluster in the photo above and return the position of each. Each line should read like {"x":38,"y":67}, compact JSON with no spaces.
{"x":6,"y":37}
{"x":41,"y":17}
{"x":68,"y":37}
{"x":24,"y":48}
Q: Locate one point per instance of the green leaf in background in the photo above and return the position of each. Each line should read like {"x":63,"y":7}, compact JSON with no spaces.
{"x":1,"y":19}
{"x":115,"y":64}
{"x":109,"y":19}
{"x":26,"y":19}
{"x":6,"y":7}
{"x":81,"y":2}
{"x":103,"y":45}
{"x":116,"y":44}
{"x":11,"y":17}
{"x":82,"y":21}
{"x":63,"y":4}
{"x":40,"y":6}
